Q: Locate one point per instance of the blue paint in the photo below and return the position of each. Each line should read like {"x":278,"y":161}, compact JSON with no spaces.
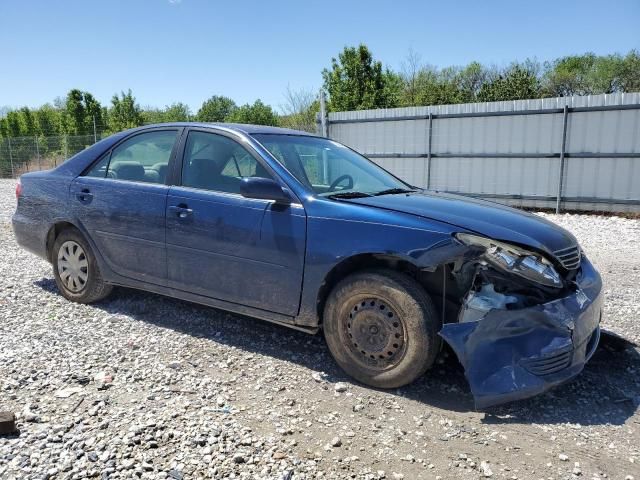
{"x":516,"y":354}
{"x":272,"y":260}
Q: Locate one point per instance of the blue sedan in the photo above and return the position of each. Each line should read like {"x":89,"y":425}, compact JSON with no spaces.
{"x":302,"y":231}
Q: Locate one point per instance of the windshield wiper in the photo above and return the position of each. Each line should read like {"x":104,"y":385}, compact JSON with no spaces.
{"x":391,"y":191}
{"x":349,"y":195}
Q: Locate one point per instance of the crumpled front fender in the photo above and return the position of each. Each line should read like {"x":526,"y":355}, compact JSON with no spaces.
{"x":514,"y":354}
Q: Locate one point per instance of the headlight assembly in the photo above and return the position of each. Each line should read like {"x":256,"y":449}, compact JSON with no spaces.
{"x":513,"y":259}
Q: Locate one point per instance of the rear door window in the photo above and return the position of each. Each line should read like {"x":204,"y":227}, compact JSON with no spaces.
{"x":141,"y":158}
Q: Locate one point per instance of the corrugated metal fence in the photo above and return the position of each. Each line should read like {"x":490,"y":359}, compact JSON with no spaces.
{"x":572,"y":153}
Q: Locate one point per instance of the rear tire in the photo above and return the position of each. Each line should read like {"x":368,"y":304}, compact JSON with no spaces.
{"x":76,"y":270}
{"x":382,"y":328}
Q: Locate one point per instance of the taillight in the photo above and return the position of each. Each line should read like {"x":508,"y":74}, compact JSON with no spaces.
{"x":18,"y":189}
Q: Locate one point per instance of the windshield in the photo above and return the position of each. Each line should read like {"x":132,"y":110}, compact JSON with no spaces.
{"x":329,"y":168}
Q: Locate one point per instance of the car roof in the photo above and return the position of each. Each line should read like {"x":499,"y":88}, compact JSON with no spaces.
{"x":79,"y":161}
{"x":246,"y":129}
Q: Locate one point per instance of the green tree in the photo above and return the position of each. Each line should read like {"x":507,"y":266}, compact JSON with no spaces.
{"x":470,"y":81}
{"x":4,"y":127}
{"x":569,"y":75}
{"x":516,"y":83}
{"x":426,"y":85}
{"x":392,"y":90}
{"x":447,"y":87}
{"x":151,"y":115}
{"x":124,"y":112}
{"x":435,"y":87}
{"x":93,"y":113}
{"x":27,"y":122}
{"x":630,"y":72}
{"x":300,"y":109}
{"x":356,"y":81}
{"x":13,"y":124}
{"x":177,"y":112}
{"x":80,"y":111}
{"x":256,"y":114}
{"x":75,"y":113}
{"x":216,"y":109}
{"x":105,"y":117}
{"x":48,"y":120}
{"x":615,"y":73}
{"x":411,"y":68}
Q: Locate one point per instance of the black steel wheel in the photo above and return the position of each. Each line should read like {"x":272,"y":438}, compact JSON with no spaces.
{"x":376,"y":333}
{"x":381,"y":327}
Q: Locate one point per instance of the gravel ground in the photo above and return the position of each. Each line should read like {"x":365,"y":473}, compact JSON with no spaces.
{"x":142,"y":386}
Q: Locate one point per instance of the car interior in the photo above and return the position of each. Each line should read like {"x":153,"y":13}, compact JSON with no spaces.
{"x":215,"y":163}
{"x":144,"y":158}
{"x":211,"y":162}
{"x":136,"y":172}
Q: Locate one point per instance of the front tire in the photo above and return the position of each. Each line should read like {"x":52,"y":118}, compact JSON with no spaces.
{"x":76,"y":270}
{"x":382,"y":328}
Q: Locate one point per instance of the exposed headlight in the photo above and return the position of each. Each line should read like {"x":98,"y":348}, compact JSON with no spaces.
{"x":511,"y":258}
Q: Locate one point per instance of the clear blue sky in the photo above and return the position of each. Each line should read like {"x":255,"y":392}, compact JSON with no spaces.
{"x":188,"y":50}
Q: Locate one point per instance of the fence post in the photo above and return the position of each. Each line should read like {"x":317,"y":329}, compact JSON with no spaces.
{"x":565,"y":116}
{"x":323,"y":115}
{"x":66,"y":149}
{"x":11,"y":157}
{"x":35,"y":138}
{"x":429,"y":150}
{"x":95,"y":136}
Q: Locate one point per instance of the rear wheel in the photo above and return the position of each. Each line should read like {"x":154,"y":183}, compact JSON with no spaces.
{"x":75,"y":269}
{"x":382,"y":328}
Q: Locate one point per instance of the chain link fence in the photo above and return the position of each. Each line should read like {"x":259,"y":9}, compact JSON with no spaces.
{"x":26,"y":154}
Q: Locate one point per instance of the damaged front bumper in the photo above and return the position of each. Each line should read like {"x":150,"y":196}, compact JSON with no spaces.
{"x":514,"y":354}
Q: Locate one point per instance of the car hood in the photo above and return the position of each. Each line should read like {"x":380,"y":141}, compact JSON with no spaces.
{"x":480,"y":216}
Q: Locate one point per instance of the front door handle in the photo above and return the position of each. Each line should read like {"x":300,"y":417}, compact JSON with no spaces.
{"x":181,"y":211}
{"x":84,"y":195}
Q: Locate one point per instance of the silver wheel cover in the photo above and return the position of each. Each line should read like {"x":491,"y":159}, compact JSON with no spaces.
{"x":73,"y":266}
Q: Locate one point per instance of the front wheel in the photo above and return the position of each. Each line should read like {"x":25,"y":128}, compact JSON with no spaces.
{"x":76,"y":270}
{"x":382,"y":328}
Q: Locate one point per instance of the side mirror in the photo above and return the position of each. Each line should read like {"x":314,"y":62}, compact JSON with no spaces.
{"x":263,"y":189}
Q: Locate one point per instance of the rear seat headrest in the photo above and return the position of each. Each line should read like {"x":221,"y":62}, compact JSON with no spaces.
{"x":161,"y":168}
{"x":128,"y":170}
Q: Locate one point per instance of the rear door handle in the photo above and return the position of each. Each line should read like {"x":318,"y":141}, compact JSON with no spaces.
{"x":84,"y":195}
{"x":181,"y":211}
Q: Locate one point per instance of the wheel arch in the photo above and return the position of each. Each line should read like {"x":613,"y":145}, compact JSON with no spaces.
{"x":429,"y":279}
{"x":55,"y":230}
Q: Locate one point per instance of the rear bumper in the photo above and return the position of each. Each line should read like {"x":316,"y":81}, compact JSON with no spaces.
{"x":30,"y":235}
{"x":515,"y":354}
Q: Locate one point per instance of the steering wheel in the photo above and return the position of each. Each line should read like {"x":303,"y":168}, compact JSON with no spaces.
{"x":341,"y":178}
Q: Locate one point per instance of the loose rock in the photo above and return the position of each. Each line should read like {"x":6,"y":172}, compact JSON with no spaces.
{"x":187,"y":390}
{"x":7,"y":423}
{"x":486,"y":469}
{"x":340,"y":387}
